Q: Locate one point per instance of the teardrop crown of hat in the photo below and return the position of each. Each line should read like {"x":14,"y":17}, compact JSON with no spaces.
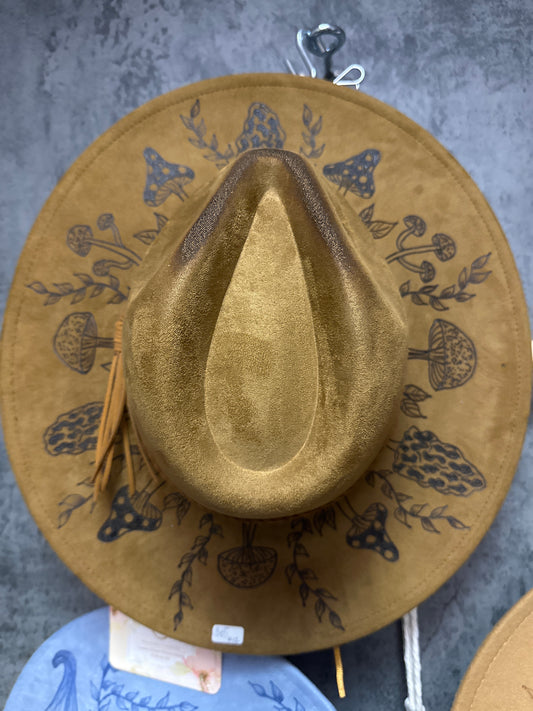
{"x":264,"y":344}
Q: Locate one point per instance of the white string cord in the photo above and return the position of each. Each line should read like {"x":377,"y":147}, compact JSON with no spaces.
{"x":411,"y":658}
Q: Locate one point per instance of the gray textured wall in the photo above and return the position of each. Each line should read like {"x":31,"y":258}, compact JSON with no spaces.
{"x":68,"y":70}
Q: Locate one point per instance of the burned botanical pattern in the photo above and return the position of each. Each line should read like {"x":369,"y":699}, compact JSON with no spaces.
{"x":411,"y":397}
{"x":76,"y":341}
{"x":164,"y":179}
{"x":75,"y":431}
{"x":422,"y":457}
{"x":355,"y":174}
{"x":130,"y":513}
{"x":197,"y":553}
{"x":378,"y":228}
{"x":451,"y":356}
{"x":429,"y":295}
{"x":407,"y":511}
{"x":298,"y":570}
{"x":248,"y":565}
{"x":368,"y":530}
{"x":311,"y":130}
{"x":262,"y":129}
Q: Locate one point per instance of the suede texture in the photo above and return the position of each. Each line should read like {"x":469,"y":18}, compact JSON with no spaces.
{"x":383,"y":186}
{"x":265,"y":352}
{"x":500,"y":675}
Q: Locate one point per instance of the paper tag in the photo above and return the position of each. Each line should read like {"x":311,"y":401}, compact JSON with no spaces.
{"x":227,"y":634}
{"x":137,"y":649}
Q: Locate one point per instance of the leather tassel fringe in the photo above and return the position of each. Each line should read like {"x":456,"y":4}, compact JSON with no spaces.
{"x":114,"y":421}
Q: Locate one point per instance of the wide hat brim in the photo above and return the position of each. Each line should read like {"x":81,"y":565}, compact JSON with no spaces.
{"x":73,"y":666}
{"x":350,"y":568}
{"x":501,"y":674}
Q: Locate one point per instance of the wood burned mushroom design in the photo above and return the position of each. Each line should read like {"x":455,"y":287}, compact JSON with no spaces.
{"x":368,"y":530}
{"x":80,"y":239}
{"x":451,"y":356}
{"x":247,"y":566}
{"x":355,"y":174}
{"x":164,"y":179}
{"x":442,"y":246}
{"x":130,"y":513}
{"x":261,"y":129}
{"x":75,"y":431}
{"x":422,"y":457}
{"x":76,"y":341}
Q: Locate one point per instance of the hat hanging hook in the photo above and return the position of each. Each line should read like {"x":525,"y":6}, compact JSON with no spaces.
{"x":322,"y":42}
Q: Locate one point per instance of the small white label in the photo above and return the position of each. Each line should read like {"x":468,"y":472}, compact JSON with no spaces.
{"x":227,"y":634}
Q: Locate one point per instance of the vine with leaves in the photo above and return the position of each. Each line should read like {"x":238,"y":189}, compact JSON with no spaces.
{"x":378,"y":228}
{"x":307,"y":576}
{"x":417,"y":512}
{"x":309,"y":136}
{"x":426,"y":296}
{"x":411,"y":396}
{"x":198,"y":552}
{"x":199,"y":129}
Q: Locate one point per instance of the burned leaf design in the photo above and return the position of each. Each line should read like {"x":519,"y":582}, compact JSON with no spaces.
{"x":179,"y":503}
{"x":306,"y":576}
{"x":148,"y":236}
{"x":324,"y":517}
{"x":405,"y":512}
{"x":68,"y":505}
{"x":412,"y":395}
{"x":211,"y":148}
{"x":451,"y":356}
{"x":309,"y":135}
{"x":378,"y":228}
{"x":198,"y":552}
{"x":89,"y":289}
{"x":247,"y":566}
{"x":428,"y":296}
{"x":422,"y":457}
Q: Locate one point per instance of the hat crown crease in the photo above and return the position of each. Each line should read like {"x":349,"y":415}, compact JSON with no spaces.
{"x":175,"y":319}
{"x":261,"y":383}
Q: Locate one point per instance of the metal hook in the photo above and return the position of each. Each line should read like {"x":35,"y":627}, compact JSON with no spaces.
{"x":340,"y":79}
{"x":301,"y":49}
{"x":315,"y":42}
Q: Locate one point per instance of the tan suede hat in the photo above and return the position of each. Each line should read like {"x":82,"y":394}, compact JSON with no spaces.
{"x":501,"y":674}
{"x":325,"y":354}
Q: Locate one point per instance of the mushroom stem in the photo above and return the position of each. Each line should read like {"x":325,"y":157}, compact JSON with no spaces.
{"x":248,"y":533}
{"x":416,"y":354}
{"x":120,"y":251}
{"x":409,"y":265}
{"x":422,"y":249}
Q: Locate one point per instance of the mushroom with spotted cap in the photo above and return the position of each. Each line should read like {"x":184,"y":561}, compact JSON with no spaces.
{"x":164,"y":179}
{"x":355,"y":174}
